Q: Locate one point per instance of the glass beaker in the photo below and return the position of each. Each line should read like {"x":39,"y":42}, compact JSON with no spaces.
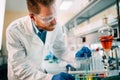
{"x":82,"y":64}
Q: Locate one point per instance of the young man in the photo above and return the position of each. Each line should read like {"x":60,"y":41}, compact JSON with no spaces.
{"x":30,"y":38}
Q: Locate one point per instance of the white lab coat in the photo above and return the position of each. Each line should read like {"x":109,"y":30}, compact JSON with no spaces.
{"x":26,"y":50}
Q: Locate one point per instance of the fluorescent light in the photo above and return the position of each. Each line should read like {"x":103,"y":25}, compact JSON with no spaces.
{"x":65,"y":4}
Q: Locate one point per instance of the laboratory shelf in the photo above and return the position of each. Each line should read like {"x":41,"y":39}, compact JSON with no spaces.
{"x":95,"y":7}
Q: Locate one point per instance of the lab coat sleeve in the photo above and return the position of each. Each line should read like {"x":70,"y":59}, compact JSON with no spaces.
{"x":60,"y":48}
{"x":21,"y":66}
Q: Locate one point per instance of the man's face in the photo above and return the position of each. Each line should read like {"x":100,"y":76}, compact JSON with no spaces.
{"x":46,"y":19}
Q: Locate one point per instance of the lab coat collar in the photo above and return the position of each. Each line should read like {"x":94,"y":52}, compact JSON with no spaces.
{"x":30,"y":31}
{"x":35,"y":28}
{"x":28,"y":26}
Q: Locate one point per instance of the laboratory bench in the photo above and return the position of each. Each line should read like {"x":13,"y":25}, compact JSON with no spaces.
{"x":98,"y":78}
{"x":95,"y":77}
{"x":54,"y":68}
{"x":112,"y":78}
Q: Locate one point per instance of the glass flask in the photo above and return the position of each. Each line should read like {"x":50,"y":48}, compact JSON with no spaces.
{"x":106,"y":35}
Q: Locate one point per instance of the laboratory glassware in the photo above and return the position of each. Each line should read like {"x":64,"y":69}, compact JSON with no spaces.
{"x":106,"y":35}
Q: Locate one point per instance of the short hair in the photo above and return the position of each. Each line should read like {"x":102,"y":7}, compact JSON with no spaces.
{"x":33,"y":5}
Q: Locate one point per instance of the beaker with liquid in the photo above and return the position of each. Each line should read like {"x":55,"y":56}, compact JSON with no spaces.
{"x":82,"y":64}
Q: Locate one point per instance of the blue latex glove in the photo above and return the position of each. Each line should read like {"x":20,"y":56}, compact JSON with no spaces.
{"x":84,"y":52}
{"x":63,"y":76}
{"x":68,"y":66}
{"x":50,"y":56}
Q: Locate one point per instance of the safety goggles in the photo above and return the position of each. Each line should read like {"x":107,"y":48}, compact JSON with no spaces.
{"x":46,"y":20}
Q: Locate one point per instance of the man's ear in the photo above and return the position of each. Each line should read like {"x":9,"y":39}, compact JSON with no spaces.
{"x":31,"y":16}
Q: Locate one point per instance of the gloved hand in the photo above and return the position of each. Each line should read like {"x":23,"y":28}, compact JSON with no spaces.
{"x":68,"y":66}
{"x":84,"y":52}
{"x":63,"y":76}
{"x":50,"y":56}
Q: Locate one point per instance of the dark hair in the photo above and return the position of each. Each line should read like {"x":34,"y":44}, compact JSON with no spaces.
{"x":33,"y":5}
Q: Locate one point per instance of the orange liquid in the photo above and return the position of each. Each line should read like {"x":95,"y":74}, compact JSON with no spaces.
{"x":106,"y":42}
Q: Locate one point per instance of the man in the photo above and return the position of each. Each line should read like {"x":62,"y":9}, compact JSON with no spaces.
{"x":30,"y":38}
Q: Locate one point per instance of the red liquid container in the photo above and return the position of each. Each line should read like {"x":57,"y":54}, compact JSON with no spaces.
{"x":106,"y":42}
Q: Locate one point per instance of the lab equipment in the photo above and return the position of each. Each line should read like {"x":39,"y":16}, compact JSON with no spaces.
{"x":91,"y":68}
{"x":97,"y":59}
{"x":84,"y":72}
{"x":82,"y":63}
{"x":63,"y":76}
{"x":106,"y":34}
